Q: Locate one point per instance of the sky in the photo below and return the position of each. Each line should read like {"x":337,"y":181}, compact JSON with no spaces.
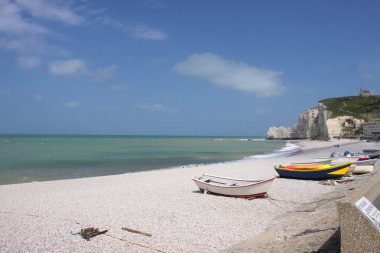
{"x":160,"y":67}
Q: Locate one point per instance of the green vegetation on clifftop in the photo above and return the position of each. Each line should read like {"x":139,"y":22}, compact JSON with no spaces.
{"x":367,"y":108}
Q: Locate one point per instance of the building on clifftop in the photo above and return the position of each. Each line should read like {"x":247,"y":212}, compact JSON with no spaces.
{"x":364,"y":93}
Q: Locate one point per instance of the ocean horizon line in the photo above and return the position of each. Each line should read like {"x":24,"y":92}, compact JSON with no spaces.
{"x":133,"y":135}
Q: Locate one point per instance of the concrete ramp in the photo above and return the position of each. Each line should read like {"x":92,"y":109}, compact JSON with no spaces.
{"x":359,"y":217}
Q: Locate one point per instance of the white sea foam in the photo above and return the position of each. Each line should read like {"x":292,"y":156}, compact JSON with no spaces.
{"x":249,"y":139}
{"x":289,"y":150}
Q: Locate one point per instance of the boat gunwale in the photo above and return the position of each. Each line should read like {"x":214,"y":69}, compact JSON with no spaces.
{"x":247,"y":196}
{"x":335,"y":167}
{"x":234,"y":186}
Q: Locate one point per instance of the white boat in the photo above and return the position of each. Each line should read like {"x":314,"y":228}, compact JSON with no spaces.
{"x":366,"y":162}
{"x":316,"y":162}
{"x":357,"y":162}
{"x":232,"y":187}
{"x":363,"y":169}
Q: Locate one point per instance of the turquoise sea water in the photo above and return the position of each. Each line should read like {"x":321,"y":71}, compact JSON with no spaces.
{"x":27,"y":158}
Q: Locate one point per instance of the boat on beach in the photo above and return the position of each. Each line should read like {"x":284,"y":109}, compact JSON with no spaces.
{"x":315,"y":162}
{"x":362,"y":160}
{"x":232,"y":187}
{"x":373,"y":155}
{"x":360,"y":166}
{"x":366,"y":162}
{"x":370,"y":151}
{"x":364,"y":166}
{"x":363,"y":169}
{"x":313,"y":171}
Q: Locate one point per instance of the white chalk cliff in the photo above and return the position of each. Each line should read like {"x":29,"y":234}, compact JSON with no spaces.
{"x":317,"y":123}
{"x":283,"y":133}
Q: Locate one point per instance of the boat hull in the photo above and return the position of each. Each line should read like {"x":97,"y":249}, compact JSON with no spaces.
{"x":313,"y":172}
{"x":363,"y":169}
{"x":366,"y":162}
{"x":250,"y":190}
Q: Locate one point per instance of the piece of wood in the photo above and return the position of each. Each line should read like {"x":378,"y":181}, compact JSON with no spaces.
{"x":136,"y":231}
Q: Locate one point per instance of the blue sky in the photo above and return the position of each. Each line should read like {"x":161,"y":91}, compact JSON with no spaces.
{"x":179,"y":67}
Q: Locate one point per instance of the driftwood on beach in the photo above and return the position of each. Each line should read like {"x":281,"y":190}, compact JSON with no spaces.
{"x":88,"y":233}
{"x":136,"y":231}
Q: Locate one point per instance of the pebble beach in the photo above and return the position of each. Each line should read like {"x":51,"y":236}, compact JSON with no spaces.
{"x":47,"y":216}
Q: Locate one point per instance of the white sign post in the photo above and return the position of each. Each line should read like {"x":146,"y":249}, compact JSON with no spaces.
{"x":369,"y":210}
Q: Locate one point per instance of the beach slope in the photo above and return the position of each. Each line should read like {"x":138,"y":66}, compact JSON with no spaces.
{"x":46,"y":216}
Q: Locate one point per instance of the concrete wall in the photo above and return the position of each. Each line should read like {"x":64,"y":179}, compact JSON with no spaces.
{"x":358,"y":233}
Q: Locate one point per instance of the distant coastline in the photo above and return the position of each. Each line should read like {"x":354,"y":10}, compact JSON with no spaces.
{"x":342,"y":117}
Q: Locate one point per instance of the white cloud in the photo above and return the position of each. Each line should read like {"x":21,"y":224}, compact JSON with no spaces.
{"x":29,"y":62}
{"x":68,"y":67}
{"x":14,"y":16}
{"x":78,"y":67}
{"x":23,"y":25}
{"x":24,"y":44}
{"x":108,"y":21}
{"x":158,"y":108}
{"x":50,"y":11}
{"x":236,"y":75}
{"x":71,"y":104}
{"x":12,"y":22}
{"x":138,"y":31}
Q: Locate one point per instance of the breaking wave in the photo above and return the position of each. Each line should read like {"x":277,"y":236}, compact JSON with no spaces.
{"x":289,"y":150}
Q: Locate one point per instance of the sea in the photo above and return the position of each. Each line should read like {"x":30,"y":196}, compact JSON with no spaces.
{"x":29,"y":158}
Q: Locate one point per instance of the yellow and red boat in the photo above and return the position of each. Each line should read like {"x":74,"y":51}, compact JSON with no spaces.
{"x":313,"y":171}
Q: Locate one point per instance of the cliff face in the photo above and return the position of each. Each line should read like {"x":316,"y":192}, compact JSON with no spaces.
{"x":343,"y":126}
{"x":323,"y":116}
{"x":282,"y":133}
{"x":317,"y":123}
{"x":307,"y":125}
